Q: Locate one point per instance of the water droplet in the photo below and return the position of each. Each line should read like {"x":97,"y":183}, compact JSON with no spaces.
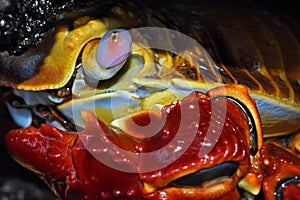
{"x":117,"y":193}
{"x":54,"y":153}
{"x":94,"y":179}
{"x":166,"y":131}
{"x":139,"y":148}
{"x":105,"y":195}
{"x":131,"y":192}
{"x":2,"y":22}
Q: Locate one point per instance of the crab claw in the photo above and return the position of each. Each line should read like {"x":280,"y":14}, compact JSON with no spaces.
{"x":195,"y":148}
{"x":47,"y":147}
{"x":196,"y":155}
{"x":281,"y":170}
{"x":72,"y":164}
{"x":47,"y":151}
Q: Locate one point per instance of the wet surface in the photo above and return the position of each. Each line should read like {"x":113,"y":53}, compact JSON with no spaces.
{"x":23,"y":24}
{"x":17,"y":182}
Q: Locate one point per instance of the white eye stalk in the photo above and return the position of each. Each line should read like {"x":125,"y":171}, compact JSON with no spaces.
{"x":102,"y":61}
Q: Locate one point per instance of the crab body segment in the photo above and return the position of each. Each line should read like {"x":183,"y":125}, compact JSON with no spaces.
{"x":155,"y":83}
{"x":65,"y":156}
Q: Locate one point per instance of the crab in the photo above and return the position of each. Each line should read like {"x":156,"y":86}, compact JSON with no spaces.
{"x":112,"y":109}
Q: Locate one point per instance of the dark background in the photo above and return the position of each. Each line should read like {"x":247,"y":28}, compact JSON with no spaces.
{"x":18,"y":23}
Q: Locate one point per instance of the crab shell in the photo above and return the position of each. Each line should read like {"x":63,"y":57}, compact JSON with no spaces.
{"x":61,"y":158}
{"x":271,"y":86}
{"x":273,"y":83}
{"x":52,"y":64}
{"x":294,"y":143}
{"x":281,"y":172}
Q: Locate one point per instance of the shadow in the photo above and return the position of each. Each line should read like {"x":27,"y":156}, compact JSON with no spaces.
{"x":16,"y":182}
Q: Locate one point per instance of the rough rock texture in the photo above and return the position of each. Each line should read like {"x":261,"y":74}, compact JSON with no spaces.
{"x":23,"y":24}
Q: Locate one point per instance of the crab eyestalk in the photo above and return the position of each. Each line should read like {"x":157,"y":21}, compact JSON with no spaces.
{"x":102,"y":60}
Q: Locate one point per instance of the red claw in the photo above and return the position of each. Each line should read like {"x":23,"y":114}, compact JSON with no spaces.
{"x":199,"y":136}
{"x":194,"y":138}
{"x":69,"y":162}
{"x":104,"y":171}
{"x":46,"y":149}
{"x":291,"y":192}
{"x":280,"y":165}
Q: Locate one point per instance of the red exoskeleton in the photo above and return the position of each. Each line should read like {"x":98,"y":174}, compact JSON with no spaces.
{"x":127,"y":103}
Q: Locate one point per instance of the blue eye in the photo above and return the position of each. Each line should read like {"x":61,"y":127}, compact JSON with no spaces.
{"x":114,"y":48}
{"x":102,"y":60}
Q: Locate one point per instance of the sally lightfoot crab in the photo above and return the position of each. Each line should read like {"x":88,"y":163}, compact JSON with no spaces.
{"x":115,"y":108}
{"x":190,"y":167}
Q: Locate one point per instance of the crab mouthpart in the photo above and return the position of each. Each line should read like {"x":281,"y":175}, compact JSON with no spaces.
{"x":208,"y":177}
{"x":219,"y":188}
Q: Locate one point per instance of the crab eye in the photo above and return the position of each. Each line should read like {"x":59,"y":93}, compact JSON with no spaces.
{"x":103,"y":60}
{"x":114,"y":48}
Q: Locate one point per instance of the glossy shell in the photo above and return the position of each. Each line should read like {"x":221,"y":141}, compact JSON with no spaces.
{"x":267,"y":62}
{"x":264,"y":59}
{"x":73,"y":153}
